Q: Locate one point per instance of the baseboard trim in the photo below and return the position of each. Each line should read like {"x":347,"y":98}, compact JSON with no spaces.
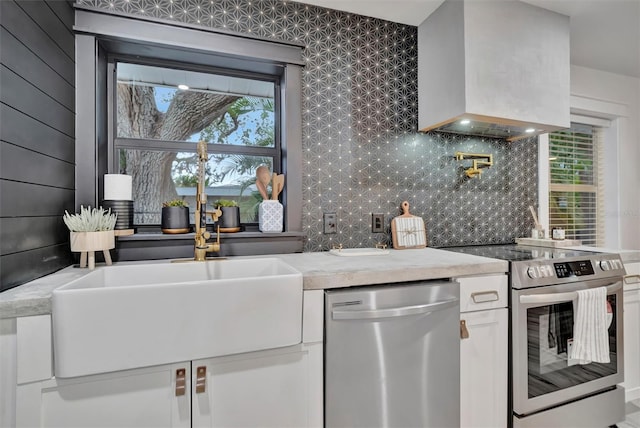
{"x":632,"y":394}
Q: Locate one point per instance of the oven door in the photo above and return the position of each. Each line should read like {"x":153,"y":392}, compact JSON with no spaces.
{"x":542,"y":325}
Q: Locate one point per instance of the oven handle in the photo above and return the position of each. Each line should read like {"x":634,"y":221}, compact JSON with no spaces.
{"x":553,"y":298}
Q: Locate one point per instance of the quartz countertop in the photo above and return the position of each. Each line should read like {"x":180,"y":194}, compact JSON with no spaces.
{"x":323,"y":270}
{"x":34,"y":297}
{"x":627,"y":256}
{"x":320,"y":270}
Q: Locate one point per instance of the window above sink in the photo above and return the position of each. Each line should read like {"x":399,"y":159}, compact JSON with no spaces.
{"x":270,"y":71}
{"x":161,"y":113}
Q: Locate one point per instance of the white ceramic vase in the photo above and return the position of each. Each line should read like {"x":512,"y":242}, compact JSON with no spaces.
{"x":270,"y":216}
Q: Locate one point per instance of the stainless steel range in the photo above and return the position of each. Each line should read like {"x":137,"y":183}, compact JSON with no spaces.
{"x":548,"y":389}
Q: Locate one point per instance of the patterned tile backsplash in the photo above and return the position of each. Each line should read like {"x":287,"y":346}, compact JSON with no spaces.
{"x":362,"y":153}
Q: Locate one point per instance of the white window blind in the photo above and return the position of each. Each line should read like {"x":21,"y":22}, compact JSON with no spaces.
{"x":574,"y":186}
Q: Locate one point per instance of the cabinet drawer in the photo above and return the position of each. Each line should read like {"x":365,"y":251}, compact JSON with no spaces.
{"x":483,"y":292}
{"x":632,"y":283}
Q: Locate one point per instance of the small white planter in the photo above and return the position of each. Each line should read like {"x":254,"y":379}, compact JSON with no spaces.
{"x":87,"y":243}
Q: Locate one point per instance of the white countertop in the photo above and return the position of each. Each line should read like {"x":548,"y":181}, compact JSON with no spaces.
{"x":320,"y":270}
{"x":627,"y":256}
{"x":34,"y":297}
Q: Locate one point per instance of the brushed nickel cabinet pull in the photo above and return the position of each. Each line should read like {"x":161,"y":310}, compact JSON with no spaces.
{"x":201,"y":379}
{"x":632,"y":276}
{"x":464,"y":333}
{"x":485,"y":296}
{"x":181,"y":382}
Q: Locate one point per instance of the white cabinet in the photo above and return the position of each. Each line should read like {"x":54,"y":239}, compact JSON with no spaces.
{"x":280,"y":387}
{"x":273,"y":388}
{"x":149,"y":397}
{"x":483,"y":369}
{"x":483,"y":351}
{"x":632,"y":332}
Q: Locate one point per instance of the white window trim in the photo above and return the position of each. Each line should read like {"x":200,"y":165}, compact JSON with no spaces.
{"x":604,"y":114}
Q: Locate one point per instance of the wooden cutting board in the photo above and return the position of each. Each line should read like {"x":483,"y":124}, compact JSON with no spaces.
{"x":408,"y":231}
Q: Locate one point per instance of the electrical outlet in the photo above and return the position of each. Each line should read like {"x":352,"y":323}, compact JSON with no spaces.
{"x":377,"y":223}
{"x":329,"y":223}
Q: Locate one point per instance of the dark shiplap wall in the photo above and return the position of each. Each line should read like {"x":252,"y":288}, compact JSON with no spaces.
{"x":37,"y":144}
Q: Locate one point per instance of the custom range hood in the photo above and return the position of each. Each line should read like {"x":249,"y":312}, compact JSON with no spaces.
{"x":495,"y":68}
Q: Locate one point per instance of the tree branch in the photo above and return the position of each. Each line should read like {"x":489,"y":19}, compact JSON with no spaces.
{"x":191,"y":112}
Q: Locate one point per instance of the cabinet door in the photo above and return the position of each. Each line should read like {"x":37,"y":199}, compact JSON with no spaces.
{"x":149,"y":397}
{"x":632,"y":344}
{"x":483,"y":369}
{"x":632,"y":333}
{"x":257,"y":389}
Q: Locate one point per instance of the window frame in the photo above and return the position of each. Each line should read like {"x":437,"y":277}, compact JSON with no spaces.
{"x":594,"y":189}
{"x":98,"y":34}
{"x":116,"y":143}
{"x":606,"y":116}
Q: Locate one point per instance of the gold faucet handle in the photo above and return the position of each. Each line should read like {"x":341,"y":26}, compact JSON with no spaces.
{"x":215,"y":214}
{"x":473,"y":172}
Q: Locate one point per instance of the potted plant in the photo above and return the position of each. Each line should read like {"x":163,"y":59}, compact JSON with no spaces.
{"x":175,"y":217}
{"x":230,"y":219}
{"x":90,"y":231}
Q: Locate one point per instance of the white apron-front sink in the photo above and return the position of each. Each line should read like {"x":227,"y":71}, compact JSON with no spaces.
{"x":135,"y":315}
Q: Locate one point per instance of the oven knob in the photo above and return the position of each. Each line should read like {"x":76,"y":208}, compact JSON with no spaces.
{"x":604,"y":265}
{"x":532,"y":272}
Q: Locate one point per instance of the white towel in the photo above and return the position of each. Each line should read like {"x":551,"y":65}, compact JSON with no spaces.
{"x":590,"y":327}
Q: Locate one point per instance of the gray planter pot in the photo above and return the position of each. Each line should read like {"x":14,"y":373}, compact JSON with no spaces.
{"x":175,"y":220}
{"x":230,"y":219}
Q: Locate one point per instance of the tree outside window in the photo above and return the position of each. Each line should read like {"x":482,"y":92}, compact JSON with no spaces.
{"x":158,"y":126}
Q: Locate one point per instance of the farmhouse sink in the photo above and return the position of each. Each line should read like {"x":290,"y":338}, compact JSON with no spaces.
{"x":135,"y":315}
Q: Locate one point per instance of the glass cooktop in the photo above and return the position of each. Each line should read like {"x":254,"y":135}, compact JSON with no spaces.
{"x":518,"y":253}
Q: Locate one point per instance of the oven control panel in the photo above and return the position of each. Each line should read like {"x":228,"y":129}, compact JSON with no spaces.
{"x":559,"y":270}
{"x":565,"y":269}
{"x":579,"y":268}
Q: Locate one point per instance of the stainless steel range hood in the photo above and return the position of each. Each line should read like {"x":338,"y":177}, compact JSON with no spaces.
{"x":501,"y":65}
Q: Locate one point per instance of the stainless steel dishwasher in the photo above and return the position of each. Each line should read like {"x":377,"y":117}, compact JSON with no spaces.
{"x":392,"y":356}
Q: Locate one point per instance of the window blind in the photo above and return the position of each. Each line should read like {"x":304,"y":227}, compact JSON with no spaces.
{"x":574,"y":185}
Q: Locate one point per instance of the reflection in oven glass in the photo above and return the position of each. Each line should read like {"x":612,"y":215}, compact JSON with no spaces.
{"x":550,"y":331}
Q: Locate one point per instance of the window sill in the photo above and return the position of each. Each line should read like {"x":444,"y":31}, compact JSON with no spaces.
{"x":156,"y":245}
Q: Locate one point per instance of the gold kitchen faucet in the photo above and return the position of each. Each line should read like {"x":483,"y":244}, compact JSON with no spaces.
{"x":201,"y":247}
{"x":479,"y":162}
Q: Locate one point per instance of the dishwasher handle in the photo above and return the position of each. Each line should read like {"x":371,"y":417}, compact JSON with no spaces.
{"x":401,"y":311}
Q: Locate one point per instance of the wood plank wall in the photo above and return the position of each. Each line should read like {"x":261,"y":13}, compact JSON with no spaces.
{"x":37,"y":138}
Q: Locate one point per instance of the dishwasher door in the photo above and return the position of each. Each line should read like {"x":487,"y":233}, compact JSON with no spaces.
{"x":392,"y":356}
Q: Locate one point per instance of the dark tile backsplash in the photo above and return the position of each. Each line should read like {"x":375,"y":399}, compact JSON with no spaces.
{"x":362,"y":153}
